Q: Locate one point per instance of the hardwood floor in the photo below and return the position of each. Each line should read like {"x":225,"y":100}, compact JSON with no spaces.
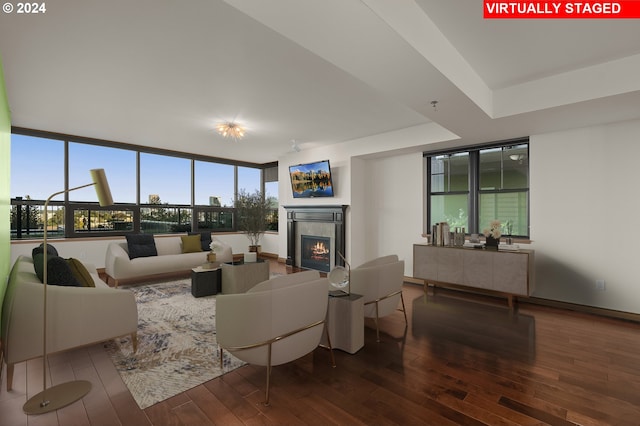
{"x":463,"y":359}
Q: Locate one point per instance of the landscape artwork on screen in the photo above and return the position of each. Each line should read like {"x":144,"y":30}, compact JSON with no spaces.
{"x":311,"y":180}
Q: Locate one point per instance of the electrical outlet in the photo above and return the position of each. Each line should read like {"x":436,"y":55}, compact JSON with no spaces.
{"x":600,"y":286}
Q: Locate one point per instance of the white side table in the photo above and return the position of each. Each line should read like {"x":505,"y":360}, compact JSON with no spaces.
{"x":345,"y":322}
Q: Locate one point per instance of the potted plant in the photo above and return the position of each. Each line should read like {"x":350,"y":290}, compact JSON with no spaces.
{"x":252,"y":210}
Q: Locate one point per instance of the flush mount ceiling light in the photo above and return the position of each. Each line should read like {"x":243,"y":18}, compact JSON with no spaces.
{"x":230,"y":130}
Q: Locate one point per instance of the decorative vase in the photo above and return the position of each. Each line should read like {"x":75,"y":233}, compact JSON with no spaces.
{"x":211,"y":257}
{"x":492,"y":243}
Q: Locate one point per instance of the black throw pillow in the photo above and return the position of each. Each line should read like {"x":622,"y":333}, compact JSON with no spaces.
{"x":205,"y":239}
{"x":51,"y":250}
{"x":38,"y":258}
{"x":58,"y":271}
{"x":141,"y":245}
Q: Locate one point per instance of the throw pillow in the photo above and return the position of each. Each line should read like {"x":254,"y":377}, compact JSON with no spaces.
{"x":191,"y":243}
{"x":59,"y":273}
{"x":81,"y":273}
{"x":205,"y":239}
{"x":141,"y":245}
{"x":38,"y":258}
{"x":51,"y":250}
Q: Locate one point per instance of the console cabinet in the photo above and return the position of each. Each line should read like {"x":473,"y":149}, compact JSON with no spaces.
{"x":505,"y":272}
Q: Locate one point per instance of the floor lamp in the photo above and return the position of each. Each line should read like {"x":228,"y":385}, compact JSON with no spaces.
{"x":63,"y":394}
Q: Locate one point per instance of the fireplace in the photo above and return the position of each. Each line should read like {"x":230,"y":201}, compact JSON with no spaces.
{"x":320,"y":222}
{"x":315,"y":253}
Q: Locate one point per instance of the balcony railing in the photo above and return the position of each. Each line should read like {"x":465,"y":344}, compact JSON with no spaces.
{"x":74,"y":220}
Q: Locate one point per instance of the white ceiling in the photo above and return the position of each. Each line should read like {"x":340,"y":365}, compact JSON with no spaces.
{"x":162,"y":72}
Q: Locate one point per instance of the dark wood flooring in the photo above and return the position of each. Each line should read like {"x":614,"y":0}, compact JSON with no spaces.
{"x":463,"y":360}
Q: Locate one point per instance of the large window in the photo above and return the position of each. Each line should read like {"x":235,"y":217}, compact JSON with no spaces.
{"x":154,"y":191}
{"x":248,"y":179}
{"x":214,"y":184}
{"x":450,"y":189}
{"x":37,"y":167}
{"x":468,"y":189}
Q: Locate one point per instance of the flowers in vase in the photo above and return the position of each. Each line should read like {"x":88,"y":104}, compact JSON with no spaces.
{"x":494,"y":229}
{"x":214,"y":246}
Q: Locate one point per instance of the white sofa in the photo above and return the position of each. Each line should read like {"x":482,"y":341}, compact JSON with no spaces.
{"x":275,"y":322}
{"x":78,"y":316}
{"x":170,"y":259}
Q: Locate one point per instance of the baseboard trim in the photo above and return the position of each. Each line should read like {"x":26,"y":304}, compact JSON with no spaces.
{"x":611,"y":313}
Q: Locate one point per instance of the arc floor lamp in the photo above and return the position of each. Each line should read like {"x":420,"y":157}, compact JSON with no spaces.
{"x":55,"y":397}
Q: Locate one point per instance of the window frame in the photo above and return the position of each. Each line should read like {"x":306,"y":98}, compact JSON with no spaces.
{"x":70,"y":207}
{"x":474,"y":190}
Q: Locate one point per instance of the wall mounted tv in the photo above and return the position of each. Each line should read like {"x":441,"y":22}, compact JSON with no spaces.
{"x":311,"y":180}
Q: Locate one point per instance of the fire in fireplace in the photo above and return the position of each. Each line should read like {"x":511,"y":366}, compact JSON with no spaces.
{"x":315,"y":253}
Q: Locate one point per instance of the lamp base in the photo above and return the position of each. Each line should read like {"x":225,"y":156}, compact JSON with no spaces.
{"x":56,"y":397}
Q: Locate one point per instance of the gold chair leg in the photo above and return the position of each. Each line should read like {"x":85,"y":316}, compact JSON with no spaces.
{"x":333,"y":359}
{"x":134,"y":341}
{"x":266,"y":402}
{"x":377,"y":326}
{"x":9,"y":376}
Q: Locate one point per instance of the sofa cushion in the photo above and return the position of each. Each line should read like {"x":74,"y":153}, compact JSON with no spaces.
{"x":191,"y":243}
{"x":141,"y":245}
{"x":205,"y":239}
{"x":81,"y":273}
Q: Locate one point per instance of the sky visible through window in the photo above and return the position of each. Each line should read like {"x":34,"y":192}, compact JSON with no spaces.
{"x":37,"y":171}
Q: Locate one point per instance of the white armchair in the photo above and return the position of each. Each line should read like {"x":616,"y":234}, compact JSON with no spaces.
{"x":275,"y":322}
{"x":380,"y":281}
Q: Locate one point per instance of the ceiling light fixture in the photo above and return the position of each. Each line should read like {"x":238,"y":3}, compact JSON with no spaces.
{"x":230,"y":130}
{"x":434,"y":104}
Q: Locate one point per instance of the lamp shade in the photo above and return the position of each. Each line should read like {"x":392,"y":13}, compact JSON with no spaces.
{"x":102,"y":187}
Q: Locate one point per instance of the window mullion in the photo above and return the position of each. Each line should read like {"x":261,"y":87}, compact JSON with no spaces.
{"x":474,"y":186}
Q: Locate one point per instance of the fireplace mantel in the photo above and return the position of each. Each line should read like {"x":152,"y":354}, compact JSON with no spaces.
{"x":329,"y":214}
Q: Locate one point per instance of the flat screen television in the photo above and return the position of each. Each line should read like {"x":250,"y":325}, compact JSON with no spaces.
{"x":311,"y":180}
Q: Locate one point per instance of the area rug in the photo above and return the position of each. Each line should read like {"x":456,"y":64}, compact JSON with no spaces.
{"x":177,"y":347}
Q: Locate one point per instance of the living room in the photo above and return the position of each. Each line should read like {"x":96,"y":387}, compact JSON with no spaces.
{"x":581,"y":115}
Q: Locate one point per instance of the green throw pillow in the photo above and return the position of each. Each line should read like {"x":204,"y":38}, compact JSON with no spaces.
{"x":205,"y":239}
{"x":191,"y":243}
{"x":81,"y":273}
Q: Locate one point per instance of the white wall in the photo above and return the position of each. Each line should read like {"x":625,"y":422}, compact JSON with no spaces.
{"x":394,"y":189}
{"x":384,"y":195}
{"x":584,"y":215}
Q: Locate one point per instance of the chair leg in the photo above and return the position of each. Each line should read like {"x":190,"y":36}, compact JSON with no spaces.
{"x":404,"y":311}
{"x":377,"y":326}
{"x":266,"y":402}
{"x":333,"y":359}
{"x":134,"y":341}
{"x":9,"y":376}
{"x":221,"y":358}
